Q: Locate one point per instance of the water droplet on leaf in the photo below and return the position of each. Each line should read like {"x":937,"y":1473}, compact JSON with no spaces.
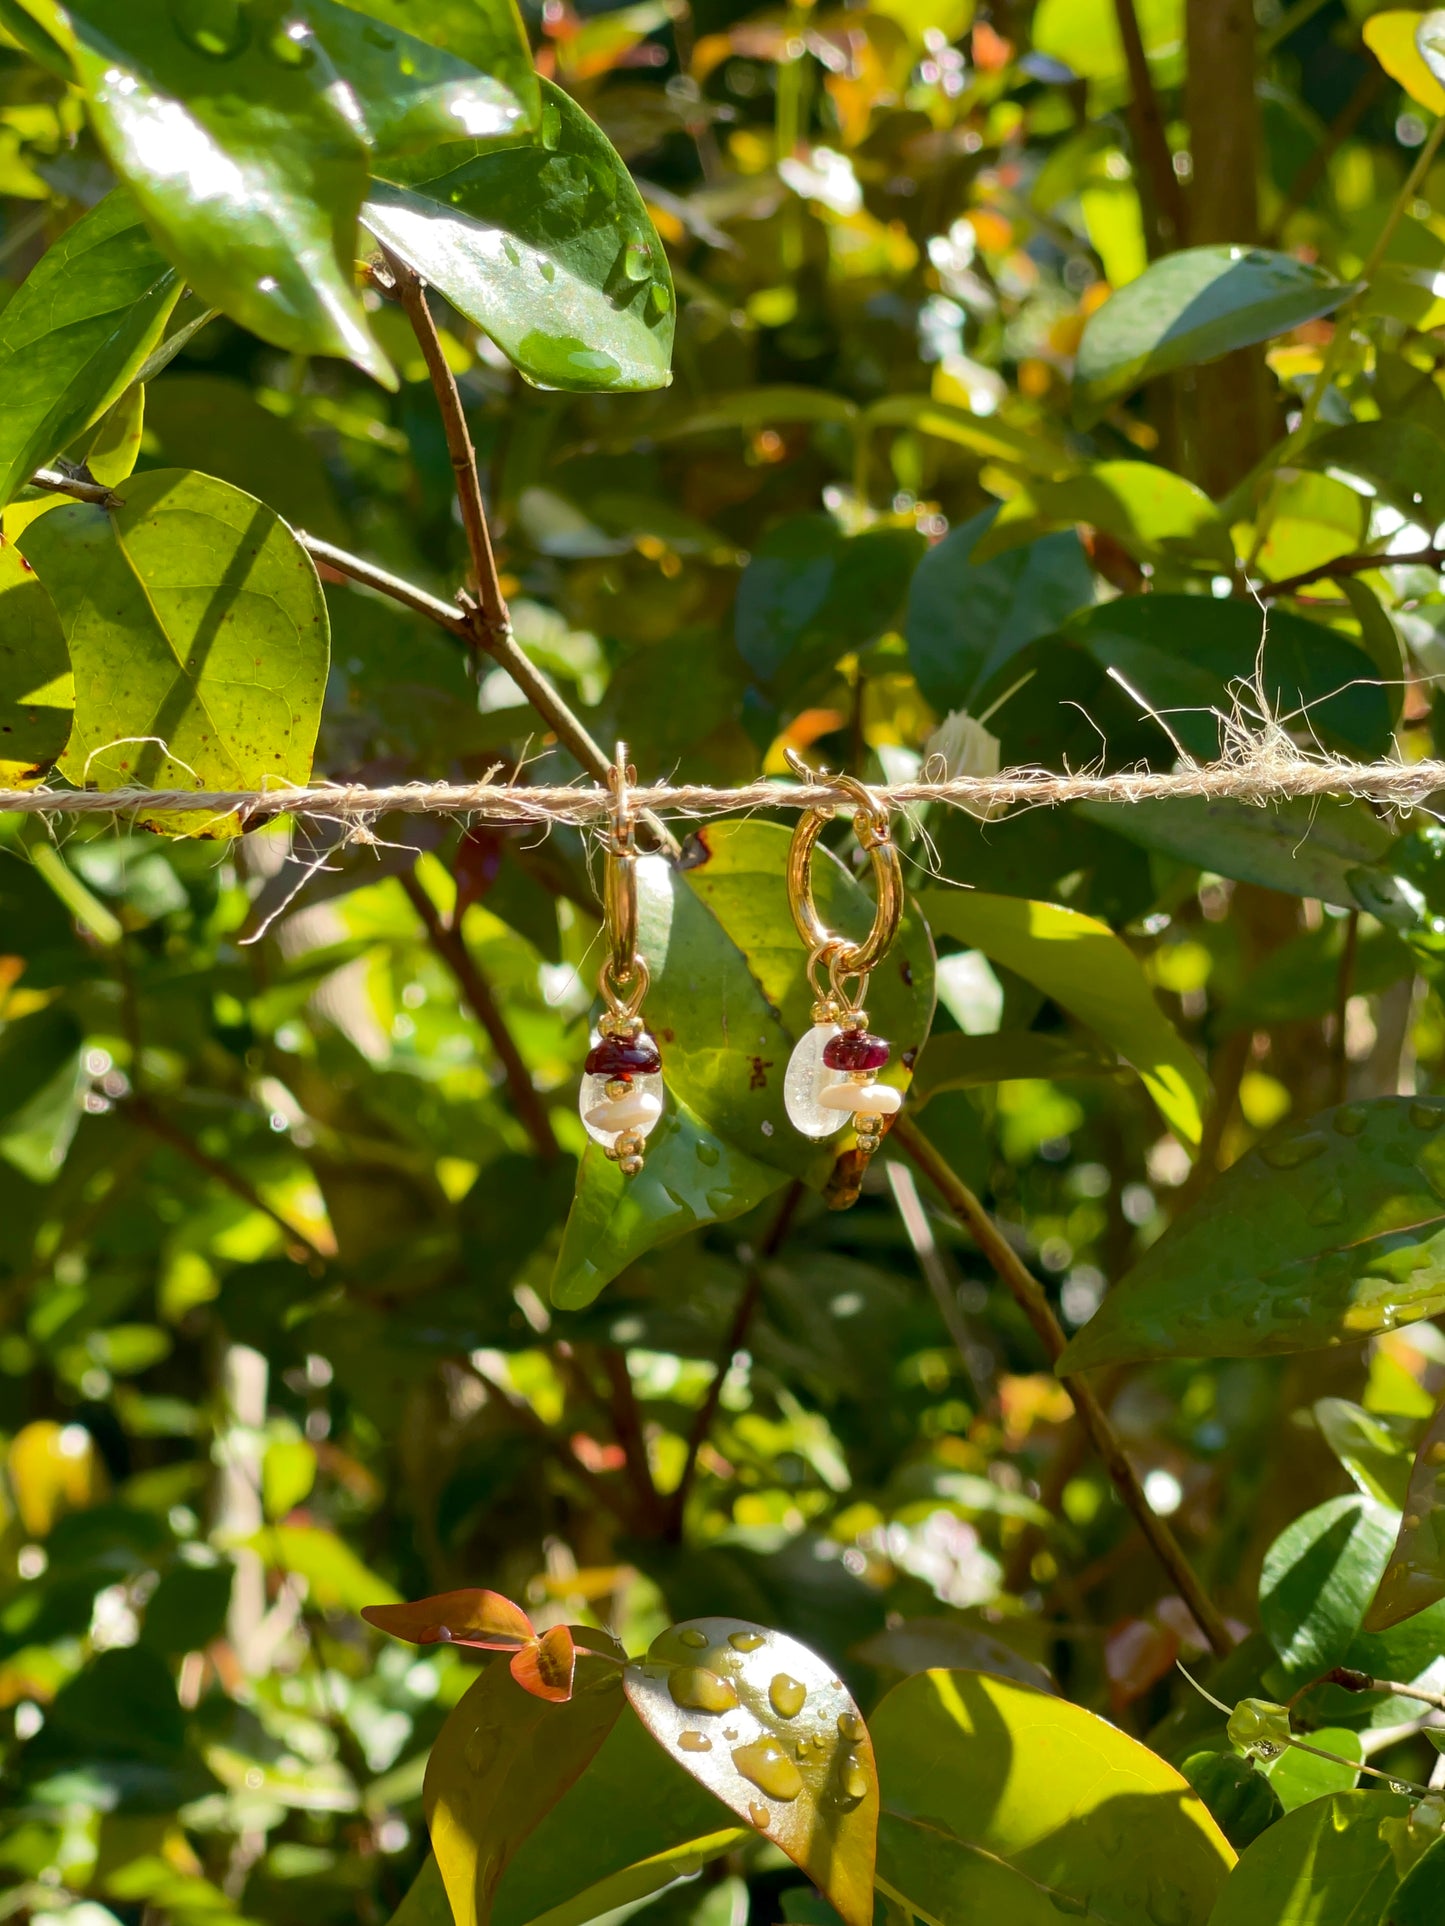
{"x":1427,"y":1116}
{"x":693,"y":1637}
{"x":218,"y":29}
{"x":637,"y":260}
{"x":765,"y":1765}
{"x":786,"y":1696}
{"x":850,"y":1726}
{"x":1168,"y":1904}
{"x":1351,"y":1118}
{"x":1288,"y":1153}
{"x":695,"y":1742}
{"x":697,"y":1690}
{"x":744,"y":1641}
{"x":759,"y":1816}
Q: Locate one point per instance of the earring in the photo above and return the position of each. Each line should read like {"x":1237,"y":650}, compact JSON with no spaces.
{"x":833,"y":1071}
{"x":622,"y":1092}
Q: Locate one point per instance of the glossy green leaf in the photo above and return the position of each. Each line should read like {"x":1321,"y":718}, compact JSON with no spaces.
{"x":766,"y":1726}
{"x":213,"y":610}
{"x":226,"y":127}
{"x":951,"y":1644}
{"x":547,"y":248}
{"x":1336,"y":1230}
{"x":759,"y":408}
{"x":728,"y":1000}
{"x":1419,"y":1899}
{"x":1331,"y":1863}
{"x":1415,"y":1575}
{"x":595,"y":1851}
{"x":811,"y":594}
{"x":966,"y":619}
{"x":1002,"y":1803}
{"x":1401,"y":460}
{"x":425,"y":1901}
{"x":1376,"y":1456}
{"x":1302,"y":848}
{"x":1240,"y":1799}
{"x":1298,"y":1776}
{"x":1317,"y":1580}
{"x":1092,"y":974}
{"x":990,"y":437}
{"x":469,"y":77}
{"x":74,"y":334}
{"x":1148,"y":509}
{"x":1084,"y":34}
{"x":1191,"y":307}
{"x":34,"y":1051}
{"x":959,"y":1062}
{"x":336,"y":1578}
{"x":503,"y":1760}
{"x":36,"y":697}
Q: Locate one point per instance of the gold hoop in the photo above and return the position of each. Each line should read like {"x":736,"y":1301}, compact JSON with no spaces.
{"x":619,"y":886}
{"x":872,"y":827}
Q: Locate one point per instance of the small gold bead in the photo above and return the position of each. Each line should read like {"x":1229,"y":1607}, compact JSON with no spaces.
{"x":629,"y":1166}
{"x":616,"y":1087}
{"x":853,"y":1020}
{"x":631,"y":1027}
{"x":825,"y":1011}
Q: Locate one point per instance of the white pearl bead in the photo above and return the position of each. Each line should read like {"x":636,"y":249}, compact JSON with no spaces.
{"x":636,"y":1111}
{"x":862,"y":1099}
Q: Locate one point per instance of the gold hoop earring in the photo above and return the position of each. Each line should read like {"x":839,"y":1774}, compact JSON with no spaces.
{"x":832,"y":1075}
{"x":622,"y":1090}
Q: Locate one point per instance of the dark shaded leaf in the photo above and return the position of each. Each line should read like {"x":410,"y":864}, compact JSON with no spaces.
{"x":1415,"y":1575}
{"x":1328,"y":1864}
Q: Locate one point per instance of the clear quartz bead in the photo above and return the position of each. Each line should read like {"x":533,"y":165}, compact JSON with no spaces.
{"x":806,"y":1076}
{"x":593,"y":1095}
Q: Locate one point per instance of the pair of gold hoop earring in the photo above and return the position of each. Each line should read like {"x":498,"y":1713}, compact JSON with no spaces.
{"x":832,"y":1074}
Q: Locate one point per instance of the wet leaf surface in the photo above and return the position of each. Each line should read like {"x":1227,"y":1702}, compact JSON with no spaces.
{"x":36,"y":691}
{"x":766,"y":1725}
{"x":1415,"y":1575}
{"x":1330,"y":1863}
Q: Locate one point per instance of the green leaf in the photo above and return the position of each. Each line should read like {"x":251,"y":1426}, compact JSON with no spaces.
{"x":1336,"y":1230}
{"x":1317,"y":1580}
{"x":1092,"y":974}
{"x":425,"y":1901}
{"x":228,"y":130}
{"x":1402,"y":461}
{"x":548,"y":249}
{"x":951,"y":1644}
{"x":759,"y":408}
{"x":336,"y":1579}
{"x":596,"y":1850}
{"x":213,"y":610}
{"x":766,"y":1726}
{"x":36,"y":692}
{"x":1419,"y":1899}
{"x":1031,"y":447}
{"x":1330,"y":1863}
{"x":811,"y":594}
{"x":503,"y":1760}
{"x":1376,"y":1456}
{"x":1084,"y":34}
{"x":1192,"y":307}
{"x":966,"y":619}
{"x":75,"y":333}
{"x":1298,"y":1776}
{"x":959,"y":1062}
{"x":1001,"y":1803}
{"x":692,"y":1176}
{"x":1240,"y":1799}
{"x":1148,"y":509}
{"x":1415,"y":1575}
{"x":729,"y":999}
{"x":34,"y":1050}
{"x":414,"y":96}
{"x":1302,"y":848}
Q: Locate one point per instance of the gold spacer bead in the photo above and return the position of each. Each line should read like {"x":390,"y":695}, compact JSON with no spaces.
{"x":825,"y":1010}
{"x":615,"y":1088}
{"x":629,"y":1166}
{"x":853,"y":1020}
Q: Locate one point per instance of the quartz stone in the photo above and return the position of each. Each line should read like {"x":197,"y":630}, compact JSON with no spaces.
{"x":856,"y":1050}
{"x":604,"y":1118}
{"x":806,"y":1078}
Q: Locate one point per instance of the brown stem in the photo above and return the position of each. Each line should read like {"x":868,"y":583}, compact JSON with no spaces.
{"x":1354,"y":1681}
{"x":144,"y":1112}
{"x":1344,"y":985}
{"x":1029,"y":1295}
{"x":1371,"y":86}
{"x":446,"y":615}
{"x":450,"y":947}
{"x":1159,"y":192}
{"x":627,"y":1428}
{"x":487,"y":624}
{"x":1343,"y":565}
{"x":83,"y":491}
{"x":747,"y":1304}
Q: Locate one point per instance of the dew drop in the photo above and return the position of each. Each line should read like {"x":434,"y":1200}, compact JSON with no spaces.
{"x":1427,"y":1116}
{"x":1069,"y":1903}
{"x":1351,"y":1118}
{"x":730,"y":1732}
{"x":509,"y":248}
{"x":707,"y":1153}
{"x":1329,"y":1206}
{"x":855,"y":1780}
{"x":1290,"y":1152}
{"x":697,"y":1690}
{"x":550,"y":132}
{"x":765,"y":1765}
{"x":850,"y":1726}
{"x":786,"y":1696}
{"x":694,"y":1742}
{"x":1411,"y":1521}
{"x":659,"y":301}
{"x":637,"y":260}
{"x":1167,"y":1904}
{"x":759,"y":1816}
{"x":745,"y":1641}
{"x":549,"y":272}
{"x":1436,"y":1454}
{"x":218,"y":29}
{"x":693,"y":1637}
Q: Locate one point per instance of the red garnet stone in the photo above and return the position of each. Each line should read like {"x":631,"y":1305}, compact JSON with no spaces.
{"x":855,"y":1050}
{"x":625,"y":1057}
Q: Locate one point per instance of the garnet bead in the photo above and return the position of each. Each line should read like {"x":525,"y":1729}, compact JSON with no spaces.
{"x":624,"y":1057}
{"x":855,"y":1050}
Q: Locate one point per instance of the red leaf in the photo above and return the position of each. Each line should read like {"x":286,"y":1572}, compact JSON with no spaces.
{"x":545,"y":1668}
{"x":482,"y":1619}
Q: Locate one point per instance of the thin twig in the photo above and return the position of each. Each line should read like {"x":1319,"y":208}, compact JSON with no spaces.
{"x":1354,"y":1681}
{"x":1344,"y":565}
{"x":60,"y":483}
{"x":1161,"y":196}
{"x":529,"y":1421}
{"x":628,"y":1430}
{"x":1029,"y":1295}
{"x":145,"y":1113}
{"x":452,"y":949}
{"x":747,"y":1304}
{"x":938,"y":1275}
{"x":445,"y":614}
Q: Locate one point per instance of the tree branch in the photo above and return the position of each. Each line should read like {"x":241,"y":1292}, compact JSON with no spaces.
{"x":1030,"y":1298}
{"x":628,"y":1430}
{"x":747,"y":1304}
{"x":451,"y":948}
{"x":1160,"y":195}
{"x":1344,"y":565}
{"x":60,"y":483}
{"x":445,"y":614}
{"x":144,"y":1112}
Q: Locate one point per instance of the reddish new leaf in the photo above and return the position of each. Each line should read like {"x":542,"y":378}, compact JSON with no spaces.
{"x":481,"y":1619}
{"x":544,"y":1668}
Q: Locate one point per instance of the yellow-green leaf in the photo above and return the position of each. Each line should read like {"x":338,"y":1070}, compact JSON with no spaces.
{"x":1391,"y":38}
{"x":1415,"y":1575}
